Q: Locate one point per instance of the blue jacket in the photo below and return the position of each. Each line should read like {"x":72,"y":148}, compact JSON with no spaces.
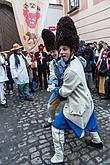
{"x":57,"y":69}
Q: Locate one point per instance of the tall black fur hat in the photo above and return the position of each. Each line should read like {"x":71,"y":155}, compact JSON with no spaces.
{"x":49,"y":39}
{"x":66,"y":34}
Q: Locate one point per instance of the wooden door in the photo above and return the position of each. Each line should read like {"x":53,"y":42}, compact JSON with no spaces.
{"x":8,"y":29}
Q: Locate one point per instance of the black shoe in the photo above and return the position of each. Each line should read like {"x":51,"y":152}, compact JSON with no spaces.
{"x":47,"y":125}
{"x":4,"y":105}
{"x":21,"y":100}
{"x":27,"y":98}
{"x":32,"y":91}
{"x":63,"y":98}
{"x":48,"y":162}
{"x":105,"y":98}
{"x":40,"y":88}
{"x":96,"y":145}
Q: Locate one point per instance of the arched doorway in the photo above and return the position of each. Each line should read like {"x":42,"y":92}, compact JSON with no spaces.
{"x":8,"y":29}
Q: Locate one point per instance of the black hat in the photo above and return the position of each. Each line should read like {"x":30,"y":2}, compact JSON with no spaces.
{"x":66,"y":34}
{"x":41,"y":45}
{"x":49,"y":39}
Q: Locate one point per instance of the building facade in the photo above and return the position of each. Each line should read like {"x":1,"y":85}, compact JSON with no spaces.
{"x":8,"y":29}
{"x":91,"y":17}
{"x":55,"y":1}
{"x":54,"y":13}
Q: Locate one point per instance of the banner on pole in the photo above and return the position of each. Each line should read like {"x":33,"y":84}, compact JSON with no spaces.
{"x":30,"y":18}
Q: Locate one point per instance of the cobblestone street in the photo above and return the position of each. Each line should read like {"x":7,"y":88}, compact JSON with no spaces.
{"x":24,"y":141}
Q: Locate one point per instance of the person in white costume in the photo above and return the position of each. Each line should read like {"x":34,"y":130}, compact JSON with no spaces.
{"x":78,"y":112}
{"x":57,"y":67}
{"x":18,"y":67}
{"x":3,"y":78}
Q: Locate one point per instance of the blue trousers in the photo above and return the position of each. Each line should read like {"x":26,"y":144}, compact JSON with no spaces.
{"x":62,"y":123}
{"x":23,"y":90}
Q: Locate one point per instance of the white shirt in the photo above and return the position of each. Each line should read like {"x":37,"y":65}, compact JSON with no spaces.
{"x":3,"y":72}
{"x":21,"y":72}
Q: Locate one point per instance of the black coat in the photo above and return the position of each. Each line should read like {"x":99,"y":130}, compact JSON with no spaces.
{"x":44,"y":60}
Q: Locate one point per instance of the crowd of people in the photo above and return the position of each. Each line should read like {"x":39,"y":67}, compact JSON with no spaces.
{"x":67,"y":68}
{"x":95,"y":58}
{"x":97,"y":70}
{"x":27,"y":70}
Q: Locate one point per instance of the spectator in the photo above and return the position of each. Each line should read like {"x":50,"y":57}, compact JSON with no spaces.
{"x":3,"y":78}
{"x":18,"y":66}
{"x":10,"y":82}
{"x":103,"y":68}
{"x":88,"y":55}
{"x":42,"y":59}
{"x":107,"y":80}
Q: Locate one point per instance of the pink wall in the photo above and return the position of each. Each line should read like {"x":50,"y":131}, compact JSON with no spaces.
{"x":65,"y":7}
{"x":96,"y":1}
{"x":92,"y":20}
{"x":84,"y":4}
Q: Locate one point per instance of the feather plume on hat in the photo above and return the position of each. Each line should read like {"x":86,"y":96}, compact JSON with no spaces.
{"x":66,"y":34}
{"x":49,"y":39}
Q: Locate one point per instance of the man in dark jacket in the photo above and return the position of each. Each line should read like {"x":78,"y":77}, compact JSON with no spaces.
{"x":42,"y":59}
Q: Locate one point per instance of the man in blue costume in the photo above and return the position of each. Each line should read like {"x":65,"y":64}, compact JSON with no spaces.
{"x":57,"y":68}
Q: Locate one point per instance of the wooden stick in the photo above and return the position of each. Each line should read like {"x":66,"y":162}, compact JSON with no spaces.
{"x":7,"y":51}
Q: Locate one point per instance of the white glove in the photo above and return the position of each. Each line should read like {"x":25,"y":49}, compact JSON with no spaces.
{"x":51,"y":87}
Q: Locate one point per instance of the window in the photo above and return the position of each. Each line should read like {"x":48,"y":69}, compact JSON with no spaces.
{"x":74,"y":4}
